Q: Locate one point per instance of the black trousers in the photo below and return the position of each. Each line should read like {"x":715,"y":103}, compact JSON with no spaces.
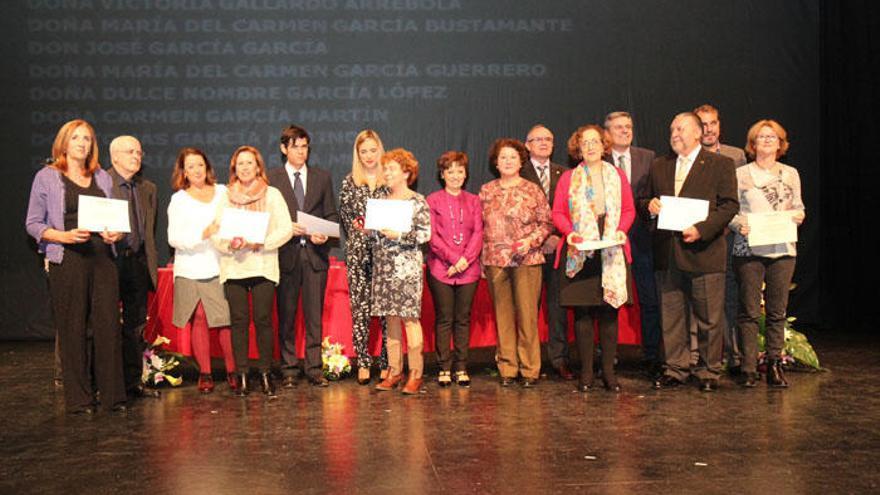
{"x":584,"y":333}
{"x":774,"y":274}
{"x":85,"y":295}
{"x":134,"y":283}
{"x":311,"y":284}
{"x":452,"y":310}
{"x":262,"y":292}
{"x":557,"y":316}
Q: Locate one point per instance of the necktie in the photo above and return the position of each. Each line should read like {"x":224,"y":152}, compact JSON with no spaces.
{"x":621,"y":164}
{"x":298,"y":191}
{"x":134,"y":238}
{"x":545,"y":179}
{"x":681,"y":173}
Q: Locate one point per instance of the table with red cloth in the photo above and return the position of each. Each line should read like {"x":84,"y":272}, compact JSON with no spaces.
{"x":337,"y":319}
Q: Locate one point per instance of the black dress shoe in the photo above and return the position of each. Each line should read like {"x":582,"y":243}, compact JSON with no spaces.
{"x":751,"y":380}
{"x":267,"y":385}
{"x":708,"y":385}
{"x":319,"y":381}
{"x":506,"y":381}
{"x":242,"y":389}
{"x":611,"y":386}
{"x":142,"y":392}
{"x":564,"y":372}
{"x":529,"y":382}
{"x":289,"y":381}
{"x":83,"y":411}
{"x":667,"y":381}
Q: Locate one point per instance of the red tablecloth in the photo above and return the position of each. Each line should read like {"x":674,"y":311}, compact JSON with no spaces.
{"x":337,"y":319}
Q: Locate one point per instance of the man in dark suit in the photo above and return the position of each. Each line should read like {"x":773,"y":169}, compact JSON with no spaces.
{"x":303,"y":260}
{"x":711,"y":141}
{"x":636,"y":162}
{"x":136,"y":256}
{"x":545,"y":173}
{"x":690,"y":264}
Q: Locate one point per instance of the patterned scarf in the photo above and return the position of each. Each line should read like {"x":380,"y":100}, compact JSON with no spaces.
{"x":252,"y":197}
{"x":583,"y":219}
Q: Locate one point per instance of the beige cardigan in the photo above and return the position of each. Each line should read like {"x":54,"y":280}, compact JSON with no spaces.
{"x":263,"y":263}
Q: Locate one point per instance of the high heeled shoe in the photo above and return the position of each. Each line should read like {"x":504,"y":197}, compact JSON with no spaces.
{"x":242,"y":389}
{"x":363,"y":376}
{"x":232,"y":381}
{"x":206,"y":383}
{"x":266,"y":384}
{"x":775,"y":375}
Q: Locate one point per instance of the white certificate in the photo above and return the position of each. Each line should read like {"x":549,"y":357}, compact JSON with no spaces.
{"x":680,"y":213}
{"x":600,"y":244}
{"x":775,"y":227}
{"x":391,"y":214}
{"x":317,"y":225}
{"x":99,"y":214}
{"x":249,"y":225}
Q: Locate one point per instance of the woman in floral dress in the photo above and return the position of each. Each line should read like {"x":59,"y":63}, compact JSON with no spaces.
{"x":397,"y":273}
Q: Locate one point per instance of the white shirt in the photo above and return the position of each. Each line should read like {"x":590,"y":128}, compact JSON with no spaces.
{"x":194,"y":258}
{"x":615,"y":155}
{"x":303,"y":173}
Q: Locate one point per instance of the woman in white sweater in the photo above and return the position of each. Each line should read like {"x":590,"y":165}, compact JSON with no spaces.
{"x":248,"y":267}
{"x":198,"y":295}
{"x":764,"y":186}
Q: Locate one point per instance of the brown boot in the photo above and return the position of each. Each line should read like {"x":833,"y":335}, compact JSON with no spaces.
{"x":389,"y":383}
{"x":413,"y":385}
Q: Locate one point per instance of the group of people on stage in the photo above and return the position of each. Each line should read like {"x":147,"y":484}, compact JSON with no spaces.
{"x":531,"y":227}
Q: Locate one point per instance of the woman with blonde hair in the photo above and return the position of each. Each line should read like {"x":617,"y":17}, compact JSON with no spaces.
{"x":247,"y":267}
{"x":364,"y":182}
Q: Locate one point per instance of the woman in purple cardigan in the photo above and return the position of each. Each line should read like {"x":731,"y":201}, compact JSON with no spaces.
{"x":453,"y":264}
{"x":82,"y":273}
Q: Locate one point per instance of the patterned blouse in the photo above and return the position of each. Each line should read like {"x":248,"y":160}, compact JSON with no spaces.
{"x":763,"y":191}
{"x":513,"y":214}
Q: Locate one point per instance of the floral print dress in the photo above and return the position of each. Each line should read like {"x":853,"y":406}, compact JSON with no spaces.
{"x":359,"y":267}
{"x":397,"y":267}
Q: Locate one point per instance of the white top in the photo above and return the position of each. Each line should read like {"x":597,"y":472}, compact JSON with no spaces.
{"x":194,"y":258}
{"x":246,"y":263}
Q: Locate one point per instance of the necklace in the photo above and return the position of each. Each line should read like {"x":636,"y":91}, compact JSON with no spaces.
{"x":457,"y":239}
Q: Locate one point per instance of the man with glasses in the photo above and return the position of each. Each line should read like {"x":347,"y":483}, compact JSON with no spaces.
{"x":711,"y":142}
{"x":136,"y":256}
{"x":636,"y":163}
{"x":543,"y":172}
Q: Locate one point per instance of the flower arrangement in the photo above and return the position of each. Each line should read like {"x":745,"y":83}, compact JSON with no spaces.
{"x":336,"y":364}
{"x":796,"y":351}
{"x":158,"y":362}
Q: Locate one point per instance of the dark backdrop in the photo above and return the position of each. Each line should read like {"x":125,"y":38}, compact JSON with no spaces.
{"x":429,"y":75}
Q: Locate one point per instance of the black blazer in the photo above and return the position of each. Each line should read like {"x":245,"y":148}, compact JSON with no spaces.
{"x":529,"y":173}
{"x":713,"y":178}
{"x":148,"y":201}
{"x":319,"y":202}
{"x":640,"y":232}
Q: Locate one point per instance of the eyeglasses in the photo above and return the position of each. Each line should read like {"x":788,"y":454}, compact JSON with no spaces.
{"x":767,"y":137}
{"x":591,"y":142}
{"x":540,"y":140}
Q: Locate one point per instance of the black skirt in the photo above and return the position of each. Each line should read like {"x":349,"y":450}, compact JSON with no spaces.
{"x":585,"y":288}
